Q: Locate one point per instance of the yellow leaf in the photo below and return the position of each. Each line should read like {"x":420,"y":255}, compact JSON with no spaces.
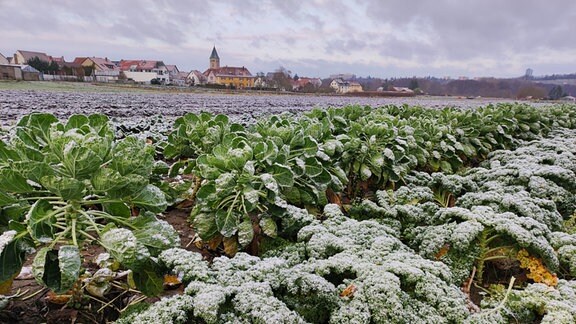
{"x":171,"y":282}
{"x":6,"y":286}
{"x":214,"y":243}
{"x":349,"y":291}
{"x":54,"y":298}
{"x":537,"y":271}
{"x":230,"y":246}
{"x":442,"y":252}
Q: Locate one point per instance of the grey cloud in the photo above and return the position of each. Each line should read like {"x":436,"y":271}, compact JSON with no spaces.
{"x":472,"y":28}
{"x":418,"y":32}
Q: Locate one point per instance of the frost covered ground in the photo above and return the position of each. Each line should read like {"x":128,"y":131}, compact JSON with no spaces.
{"x":135,"y":106}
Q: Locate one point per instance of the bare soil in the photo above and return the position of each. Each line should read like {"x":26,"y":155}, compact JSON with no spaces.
{"x":37,"y":305}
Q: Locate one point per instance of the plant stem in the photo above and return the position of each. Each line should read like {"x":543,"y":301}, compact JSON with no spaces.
{"x":112,"y":218}
{"x":91,"y":220}
{"x":59,"y":237}
{"x":231,"y":208}
{"x":87,"y":235}
{"x":74,"y":240}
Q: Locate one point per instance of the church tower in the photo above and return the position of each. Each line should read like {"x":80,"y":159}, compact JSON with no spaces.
{"x":214,"y":59}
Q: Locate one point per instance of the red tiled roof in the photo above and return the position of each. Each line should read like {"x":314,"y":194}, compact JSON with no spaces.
{"x":103,"y":64}
{"x":229,"y":71}
{"x":79,"y":60}
{"x":138,"y":65}
{"x":172,"y":68}
{"x":199,"y":75}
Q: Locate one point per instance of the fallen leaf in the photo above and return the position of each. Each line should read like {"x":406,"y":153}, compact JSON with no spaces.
{"x":349,"y":291}
{"x":171,"y":282}
{"x":442,"y":252}
{"x":54,"y":298}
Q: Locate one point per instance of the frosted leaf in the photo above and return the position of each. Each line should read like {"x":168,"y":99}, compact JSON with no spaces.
{"x":6,"y":238}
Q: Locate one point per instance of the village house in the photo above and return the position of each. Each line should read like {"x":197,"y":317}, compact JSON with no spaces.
{"x":341,"y":86}
{"x":143,"y":71}
{"x":303,"y":83}
{"x":21,"y":57}
{"x":99,"y":69}
{"x":236,"y":77}
{"x":176,"y":77}
{"x":3,"y":59}
{"x":196,"y":77}
{"x":172,"y":71}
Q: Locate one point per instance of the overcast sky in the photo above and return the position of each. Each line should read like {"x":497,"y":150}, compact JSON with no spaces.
{"x":379,"y":38}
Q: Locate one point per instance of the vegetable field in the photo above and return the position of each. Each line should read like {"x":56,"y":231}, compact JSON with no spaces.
{"x":352,"y":214}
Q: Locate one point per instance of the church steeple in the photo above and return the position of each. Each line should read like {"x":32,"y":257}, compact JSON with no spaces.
{"x":214,"y":59}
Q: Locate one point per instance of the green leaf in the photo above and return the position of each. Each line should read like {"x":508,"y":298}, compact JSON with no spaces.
{"x":283,"y":175}
{"x":151,"y":198}
{"x":34,"y":129}
{"x":156,"y":235}
{"x":33,"y":170}
{"x":13,"y":182}
{"x":245,"y":232}
{"x":40,"y":263}
{"x":132,"y":185}
{"x":313,"y":167}
{"x":269,"y":182}
{"x":57,"y":269}
{"x":7,"y":153}
{"x":70,"y":263}
{"x":260,"y":151}
{"x":79,"y":155}
{"x":365,"y":172}
{"x":106,"y":179}
{"x":124,"y":247}
{"x":323,"y":178}
{"x":204,"y":223}
{"x":40,"y":220}
{"x":6,"y":199}
{"x":207,"y":168}
{"x":446,"y":166}
{"x":11,"y":256}
{"x":101,"y":124}
{"x":67,"y":188}
{"x":206,"y":190}
{"x":269,"y":227}
{"x":292,"y":195}
{"x":389,"y":154}
{"x":149,"y":278}
{"x":76,"y":121}
{"x":251,"y":198}
{"x":226,"y":222}
{"x":118,"y":209}
{"x":310,"y":147}
{"x":133,"y":156}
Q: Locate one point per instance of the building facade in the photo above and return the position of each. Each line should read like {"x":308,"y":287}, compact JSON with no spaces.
{"x":143,"y":71}
{"x":230,"y":76}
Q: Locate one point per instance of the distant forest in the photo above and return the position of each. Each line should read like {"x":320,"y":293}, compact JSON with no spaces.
{"x":515,"y":88}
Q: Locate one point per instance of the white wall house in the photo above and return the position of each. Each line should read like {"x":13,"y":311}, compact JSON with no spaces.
{"x":345,"y":86}
{"x":144,"y":71}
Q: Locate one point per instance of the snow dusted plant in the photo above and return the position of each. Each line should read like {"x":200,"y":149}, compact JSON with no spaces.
{"x":67,"y":185}
{"x":536,"y":302}
{"x":496,"y":210}
{"x":342,"y":270}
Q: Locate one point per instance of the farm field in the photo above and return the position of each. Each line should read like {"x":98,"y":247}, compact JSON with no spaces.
{"x":143,"y":207}
{"x":121,"y":103}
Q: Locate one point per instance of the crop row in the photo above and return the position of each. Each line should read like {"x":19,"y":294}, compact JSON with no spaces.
{"x":415,"y":254}
{"x":66,"y":185}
